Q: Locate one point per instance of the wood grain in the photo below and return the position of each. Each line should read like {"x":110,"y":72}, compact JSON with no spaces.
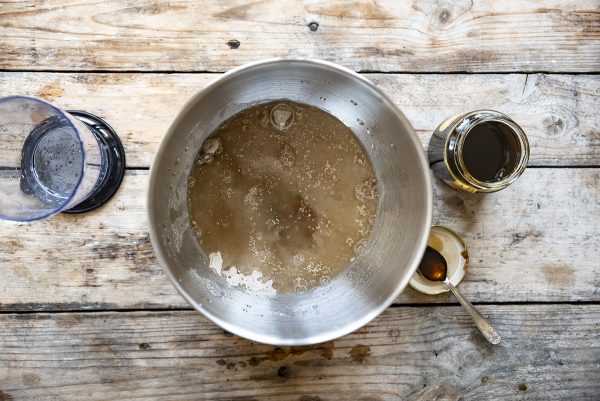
{"x":388,"y":35}
{"x":408,"y":353}
{"x":558,"y":112}
{"x":535,"y":241}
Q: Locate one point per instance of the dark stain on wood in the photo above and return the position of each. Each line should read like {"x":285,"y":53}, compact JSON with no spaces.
{"x":144,"y":347}
{"x":475,"y":57}
{"x":517,"y":238}
{"x":103,"y":79}
{"x":283,"y":371}
{"x":372,"y":51}
{"x":561,"y":276}
{"x":544,"y":10}
{"x":326,"y":349}
{"x":21,"y":270}
{"x":587,"y":20}
{"x":154,"y":8}
{"x":310,"y":398}
{"x":31,"y":379}
{"x":359,"y":352}
{"x":221,"y":362}
{"x":465,"y":255}
{"x":279,"y":354}
{"x":138,"y":250}
{"x":5,"y":396}
{"x":89,"y":280}
{"x":457,"y":203}
{"x":520,"y":237}
{"x":233,"y":44}
{"x":522,"y":387}
{"x":230,"y":365}
{"x":104,"y":346}
{"x":367,"y":11}
{"x":444,"y":16}
{"x":15,"y":245}
{"x":69,"y":320}
{"x":362,"y":330}
{"x":327,"y":353}
{"x":50,"y":92}
{"x":56,"y":306}
{"x":235,"y":13}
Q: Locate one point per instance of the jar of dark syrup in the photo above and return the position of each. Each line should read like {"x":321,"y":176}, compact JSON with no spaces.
{"x":479,"y":151}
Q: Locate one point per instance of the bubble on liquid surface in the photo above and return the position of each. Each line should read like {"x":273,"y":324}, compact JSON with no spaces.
{"x":226,"y":176}
{"x":282,"y":116}
{"x":287,"y":157}
{"x":253,"y":197}
{"x":204,"y":159}
{"x":300,"y":284}
{"x":359,"y":247}
{"x":212,"y":146}
{"x":366,"y":191}
{"x":298,"y":260}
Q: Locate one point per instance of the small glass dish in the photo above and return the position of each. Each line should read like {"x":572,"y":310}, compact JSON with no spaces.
{"x":454,"y":250}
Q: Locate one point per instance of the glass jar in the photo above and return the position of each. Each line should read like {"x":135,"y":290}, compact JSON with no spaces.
{"x":479,"y":151}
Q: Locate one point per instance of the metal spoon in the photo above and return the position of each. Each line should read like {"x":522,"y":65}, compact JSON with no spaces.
{"x":434,"y":267}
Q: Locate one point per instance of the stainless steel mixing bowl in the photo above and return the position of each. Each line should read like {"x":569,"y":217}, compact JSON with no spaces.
{"x":395,"y":246}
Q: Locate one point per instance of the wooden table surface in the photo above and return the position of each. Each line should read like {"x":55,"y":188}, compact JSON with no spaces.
{"x":87,"y":314}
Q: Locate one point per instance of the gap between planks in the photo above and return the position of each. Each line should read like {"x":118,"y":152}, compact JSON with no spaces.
{"x":394,"y":305}
{"x":365,"y":72}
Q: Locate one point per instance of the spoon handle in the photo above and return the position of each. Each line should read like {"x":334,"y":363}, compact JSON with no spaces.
{"x":482,"y":324}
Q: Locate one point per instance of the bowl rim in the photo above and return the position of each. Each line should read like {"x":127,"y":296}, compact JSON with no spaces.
{"x":334,"y":332}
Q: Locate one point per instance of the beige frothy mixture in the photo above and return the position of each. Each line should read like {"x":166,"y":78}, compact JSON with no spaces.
{"x":284,"y":192}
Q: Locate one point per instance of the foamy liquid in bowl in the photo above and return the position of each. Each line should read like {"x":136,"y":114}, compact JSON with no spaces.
{"x":282,"y":197}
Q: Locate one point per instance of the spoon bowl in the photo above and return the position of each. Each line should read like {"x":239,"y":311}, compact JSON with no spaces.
{"x":433,"y":265}
{"x":455,"y":253}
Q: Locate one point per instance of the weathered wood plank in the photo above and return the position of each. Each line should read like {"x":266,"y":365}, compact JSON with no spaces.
{"x":547,"y":352}
{"x":558,"y":112}
{"x":388,"y":35}
{"x":98,"y":260}
{"x":535,"y":241}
